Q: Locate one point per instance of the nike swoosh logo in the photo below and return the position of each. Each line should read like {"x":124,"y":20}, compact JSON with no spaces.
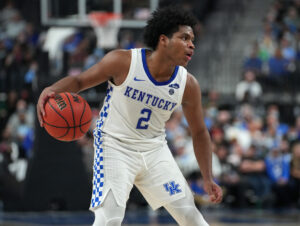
{"x":138,"y":80}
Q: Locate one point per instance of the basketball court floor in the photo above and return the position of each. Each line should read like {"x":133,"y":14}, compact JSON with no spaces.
{"x":215,"y":217}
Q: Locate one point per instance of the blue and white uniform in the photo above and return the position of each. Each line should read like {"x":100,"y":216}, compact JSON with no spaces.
{"x":129,"y":139}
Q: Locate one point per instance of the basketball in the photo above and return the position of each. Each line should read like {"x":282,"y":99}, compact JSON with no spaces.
{"x":67,"y":116}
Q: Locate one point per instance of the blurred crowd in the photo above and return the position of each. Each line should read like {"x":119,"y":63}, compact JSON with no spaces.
{"x":256,"y":152}
{"x":18,"y":66}
{"x":258,"y":144}
{"x":275,"y":54}
{"x":255,"y":155}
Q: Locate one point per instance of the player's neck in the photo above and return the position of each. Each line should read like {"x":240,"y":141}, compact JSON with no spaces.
{"x":159,"y":66}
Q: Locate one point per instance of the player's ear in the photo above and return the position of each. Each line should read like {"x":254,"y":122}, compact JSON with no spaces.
{"x":164,"y":40}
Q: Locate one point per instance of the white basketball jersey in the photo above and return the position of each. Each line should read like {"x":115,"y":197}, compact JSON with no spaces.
{"x":135,"y":112}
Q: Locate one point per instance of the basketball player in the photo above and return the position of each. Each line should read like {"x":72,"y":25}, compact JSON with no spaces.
{"x":144,"y":88}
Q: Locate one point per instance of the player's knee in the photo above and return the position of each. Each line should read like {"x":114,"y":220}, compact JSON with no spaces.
{"x":185,"y":212}
{"x":190,"y":216}
{"x":110,"y":214}
{"x":109,"y":217}
{"x":194,"y":218}
{"x":114,"y":222}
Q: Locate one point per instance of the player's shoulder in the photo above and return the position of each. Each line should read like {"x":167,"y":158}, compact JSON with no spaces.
{"x":191,"y":81}
{"x":192,"y":88}
{"x":117,"y":60}
{"x":119,"y":54}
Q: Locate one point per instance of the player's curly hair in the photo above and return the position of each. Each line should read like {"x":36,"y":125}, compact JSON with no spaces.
{"x":166,"y":21}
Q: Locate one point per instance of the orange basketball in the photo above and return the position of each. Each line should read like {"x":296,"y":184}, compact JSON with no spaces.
{"x":67,"y":116}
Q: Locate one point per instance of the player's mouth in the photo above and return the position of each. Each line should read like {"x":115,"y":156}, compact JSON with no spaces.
{"x":189,"y":56}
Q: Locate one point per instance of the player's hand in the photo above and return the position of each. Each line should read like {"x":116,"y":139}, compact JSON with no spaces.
{"x":214,"y":191}
{"x":40,"y":107}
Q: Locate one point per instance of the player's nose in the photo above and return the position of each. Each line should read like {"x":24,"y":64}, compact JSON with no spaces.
{"x":191,"y":45}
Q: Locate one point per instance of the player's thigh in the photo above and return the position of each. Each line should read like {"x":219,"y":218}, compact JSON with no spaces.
{"x":163,"y":181}
{"x":185,"y":212}
{"x":115,"y":170}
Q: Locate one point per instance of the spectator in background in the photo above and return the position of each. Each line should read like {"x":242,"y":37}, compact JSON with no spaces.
{"x":175,"y":131}
{"x":7,"y":13}
{"x":285,"y":148}
{"x":255,"y":126}
{"x":10,"y":187}
{"x":11,"y":102}
{"x":31,"y":76}
{"x":267,"y":43}
{"x":295,"y":174}
{"x":93,"y":58}
{"x":278,"y":65}
{"x":211,"y":108}
{"x":248,"y":90}
{"x":274,"y":129}
{"x":288,"y":51}
{"x":78,"y":56}
{"x":19,"y":128}
{"x":253,"y":62}
{"x":254,"y":179}
{"x":15,"y":66}
{"x":229,"y":178}
{"x":278,"y":171}
{"x":292,"y":20}
{"x":277,"y":71}
{"x":127,"y":40}
{"x":14,"y":26}
{"x":7,"y":107}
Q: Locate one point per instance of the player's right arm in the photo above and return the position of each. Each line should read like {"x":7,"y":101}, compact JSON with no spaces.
{"x":114,"y":66}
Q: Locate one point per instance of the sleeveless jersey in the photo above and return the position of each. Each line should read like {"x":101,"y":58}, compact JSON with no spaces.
{"x":135,"y":112}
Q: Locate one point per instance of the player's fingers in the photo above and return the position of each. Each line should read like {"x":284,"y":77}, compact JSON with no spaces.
{"x":46,"y":94}
{"x":212,"y":198}
{"x":51,"y":94}
{"x":218,"y":195}
{"x":218,"y":199}
{"x":41,"y":107}
{"x":39,"y":115}
{"x":44,"y":100}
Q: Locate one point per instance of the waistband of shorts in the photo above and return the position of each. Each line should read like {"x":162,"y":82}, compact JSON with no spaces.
{"x":144,"y":145}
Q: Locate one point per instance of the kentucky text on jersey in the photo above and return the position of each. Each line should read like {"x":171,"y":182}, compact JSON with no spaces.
{"x":149,"y":99}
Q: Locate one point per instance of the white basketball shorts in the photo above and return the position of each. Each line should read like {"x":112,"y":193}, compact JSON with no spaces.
{"x":155,"y":173}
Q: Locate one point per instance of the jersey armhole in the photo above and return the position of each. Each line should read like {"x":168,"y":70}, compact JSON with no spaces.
{"x":184,"y":78}
{"x":131,"y":68}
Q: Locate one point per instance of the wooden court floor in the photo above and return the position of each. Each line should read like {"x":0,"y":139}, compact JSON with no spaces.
{"x":215,"y":217}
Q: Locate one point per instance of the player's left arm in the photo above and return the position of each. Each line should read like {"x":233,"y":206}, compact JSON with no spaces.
{"x":192,"y":109}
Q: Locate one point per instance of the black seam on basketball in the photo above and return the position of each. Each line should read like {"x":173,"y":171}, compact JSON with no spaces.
{"x":81,"y":117}
{"x":72,"y":114}
{"x":70,"y":127}
{"x":67,"y":127}
{"x":61,"y":117}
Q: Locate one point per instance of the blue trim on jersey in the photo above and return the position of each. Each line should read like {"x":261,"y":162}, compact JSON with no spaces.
{"x":104,"y":111}
{"x":98,"y":172}
{"x":150,"y":76}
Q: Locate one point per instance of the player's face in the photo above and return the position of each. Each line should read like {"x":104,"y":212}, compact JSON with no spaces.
{"x":181,"y":46}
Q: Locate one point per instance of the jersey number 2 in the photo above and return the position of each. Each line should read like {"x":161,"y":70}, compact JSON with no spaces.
{"x":142,"y":123}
